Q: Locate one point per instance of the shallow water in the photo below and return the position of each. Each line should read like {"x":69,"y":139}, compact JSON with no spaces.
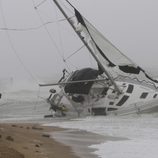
{"x":130,"y":136}
{"x":79,"y":141}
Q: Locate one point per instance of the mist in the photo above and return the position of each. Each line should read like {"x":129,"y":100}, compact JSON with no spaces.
{"x":32,"y":56}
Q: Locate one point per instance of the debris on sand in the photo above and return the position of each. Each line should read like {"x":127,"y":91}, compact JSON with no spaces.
{"x":9,"y":138}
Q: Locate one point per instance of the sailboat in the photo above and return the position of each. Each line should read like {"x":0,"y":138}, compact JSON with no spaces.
{"x":118,"y":86}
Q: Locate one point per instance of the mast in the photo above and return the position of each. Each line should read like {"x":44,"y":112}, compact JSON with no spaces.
{"x":89,"y":49}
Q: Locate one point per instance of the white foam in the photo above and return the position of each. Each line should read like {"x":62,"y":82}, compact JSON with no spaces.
{"x":140,"y":133}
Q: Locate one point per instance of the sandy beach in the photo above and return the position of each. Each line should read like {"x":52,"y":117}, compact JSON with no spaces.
{"x":31,"y":141}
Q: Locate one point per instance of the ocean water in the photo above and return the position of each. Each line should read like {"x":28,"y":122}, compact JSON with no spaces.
{"x":23,"y":105}
{"x":132,"y":136}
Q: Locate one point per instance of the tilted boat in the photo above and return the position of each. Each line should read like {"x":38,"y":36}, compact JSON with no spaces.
{"x":117,"y":86}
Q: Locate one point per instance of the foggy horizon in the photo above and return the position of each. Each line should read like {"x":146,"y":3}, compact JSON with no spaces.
{"x":129,"y":25}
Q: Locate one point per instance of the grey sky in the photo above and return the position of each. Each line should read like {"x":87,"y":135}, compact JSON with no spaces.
{"x":131,"y":25}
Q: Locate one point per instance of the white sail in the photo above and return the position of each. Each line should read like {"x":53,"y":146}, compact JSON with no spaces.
{"x":113,"y":60}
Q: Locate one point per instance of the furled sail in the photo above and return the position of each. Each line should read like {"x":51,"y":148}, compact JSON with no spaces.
{"x":114,"y":61}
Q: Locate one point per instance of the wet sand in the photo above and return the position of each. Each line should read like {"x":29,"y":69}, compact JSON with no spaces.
{"x":80,"y":141}
{"x":31,"y":141}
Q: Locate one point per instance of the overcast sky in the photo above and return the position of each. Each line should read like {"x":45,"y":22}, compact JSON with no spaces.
{"x":131,"y":25}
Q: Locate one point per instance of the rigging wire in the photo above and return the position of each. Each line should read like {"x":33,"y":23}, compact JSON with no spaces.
{"x":30,"y":28}
{"x":51,"y":38}
{"x":36,"y":28}
{"x":58,"y":29}
{"x":60,"y":38}
{"x":49,"y":35}
{"x":70,"y":4}
{"x":90,"y":57}
{"x":70,"y":17}
{"x":47,"y":31}
{"x":13,"y":47}
{"x":74,"y":52}
{"x":41,"y":3}
{"x":64,"y":6}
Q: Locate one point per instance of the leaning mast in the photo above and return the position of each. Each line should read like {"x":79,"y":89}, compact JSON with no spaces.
{"x":90,"y":50}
